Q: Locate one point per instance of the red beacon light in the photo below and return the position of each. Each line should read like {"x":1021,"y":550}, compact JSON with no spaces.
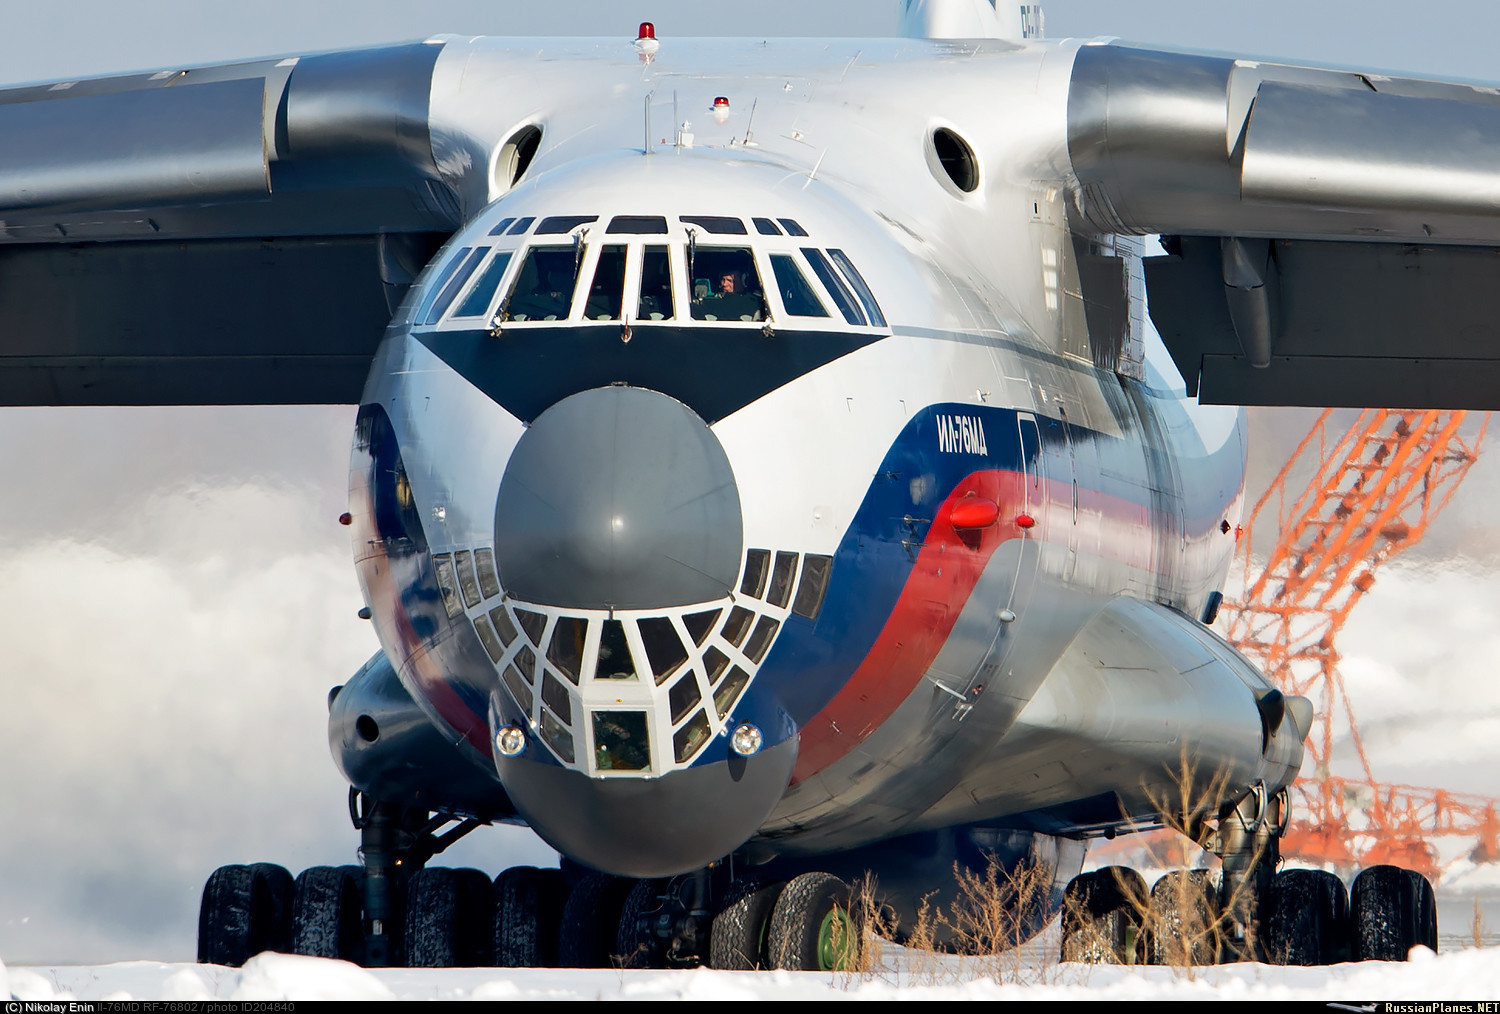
{"x":645,"y":41}
{"x":1025,"y":521}
{"x":721,"y":109}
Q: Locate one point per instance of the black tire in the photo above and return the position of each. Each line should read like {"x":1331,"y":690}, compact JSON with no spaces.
{"x":528,"y":911}
{"x":636,"y":943}
{"x":1307,"y":919}
{"x":327,"y":913}
{"x":1184,"y":926}
{"x":245,"y":910}
{"x":1101,"y":917}
{"x":591,"y":921}
{"x":1392,"y":910}
{"x":813,"y":926}
{"x":739,"y":938}
{"x":450,"y":919}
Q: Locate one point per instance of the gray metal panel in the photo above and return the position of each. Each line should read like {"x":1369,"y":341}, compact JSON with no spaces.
{"x":207,"y":322}
{"x":199,"y":143}
{"x":1179,"y":143}
{"x":1339,"y":148}
{"x":1357,"y":324}
{"x":618,"y":498}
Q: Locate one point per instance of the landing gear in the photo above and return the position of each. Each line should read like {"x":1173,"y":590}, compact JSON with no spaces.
{"x":450,"y":919}
{"x":740,"y":930}
{"x":326,"y":913}
{"x":591,"y":921}
{"x":1101,"y":917}
{"x":1290,"y":917}
{"x":1307,"y":919}
{"x":528,"y":915}
{"x":245,"y":910}
{"x":813,"y":926}
{"x":1393,"y":910}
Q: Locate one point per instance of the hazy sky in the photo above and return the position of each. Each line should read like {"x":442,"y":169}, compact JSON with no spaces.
{"x":176,"y":597}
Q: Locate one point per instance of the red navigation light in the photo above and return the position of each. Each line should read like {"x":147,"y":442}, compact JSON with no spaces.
{"x":974,"y":512}
{"x":1025,"y":521}
{"x":346,"y":518}
{"x":648,"y":31}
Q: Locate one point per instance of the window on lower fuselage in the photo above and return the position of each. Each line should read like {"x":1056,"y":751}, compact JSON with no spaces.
{"x":726,"y":285}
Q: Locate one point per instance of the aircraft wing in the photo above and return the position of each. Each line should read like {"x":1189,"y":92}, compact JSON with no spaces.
{"x":231,"y":234}
{"x":1332,"y":237}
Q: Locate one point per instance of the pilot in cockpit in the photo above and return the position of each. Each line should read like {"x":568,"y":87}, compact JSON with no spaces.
{"x":735,"y":292}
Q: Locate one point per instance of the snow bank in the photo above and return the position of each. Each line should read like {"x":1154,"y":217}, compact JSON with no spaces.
{"x":1469,"y":974}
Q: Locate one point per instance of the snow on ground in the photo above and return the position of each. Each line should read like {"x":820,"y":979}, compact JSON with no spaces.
{"x":1467,"y":974}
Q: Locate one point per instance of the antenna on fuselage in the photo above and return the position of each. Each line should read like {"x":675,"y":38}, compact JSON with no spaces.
{"x":647,"y":141}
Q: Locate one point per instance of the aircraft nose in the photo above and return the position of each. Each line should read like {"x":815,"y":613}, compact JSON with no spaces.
{"x":618,"y":498}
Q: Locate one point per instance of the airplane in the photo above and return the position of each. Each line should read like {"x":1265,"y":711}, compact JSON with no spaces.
{"x":768,"y":471}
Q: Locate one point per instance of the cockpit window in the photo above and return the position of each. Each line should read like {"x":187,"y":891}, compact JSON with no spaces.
{"x":766,"y":227}
{"x":450,"y":291}
{"x":834,"y":284}
{"x":607,"y":291}
{"x":796,"y":295}
{"x":638,"y":225}
{"x":501,"y":226}
{"x":478,"y":299}
{"x":544,"y":285}
{"x":726,"y":285}
{"x":791,"y":226}
{"x":521,"y":226}
{"x":719,"y":225}
{"x":558,"y":225}
{"x":656,"y":285}
{"x":857,"y":280}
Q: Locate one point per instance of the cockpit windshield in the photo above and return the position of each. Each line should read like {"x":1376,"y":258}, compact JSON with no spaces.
{"x":644,"y":269}
{"x":544,"y":288}
{"x":726,"y":285}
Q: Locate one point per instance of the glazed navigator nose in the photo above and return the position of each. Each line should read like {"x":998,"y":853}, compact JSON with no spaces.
{"x":618,"y":498}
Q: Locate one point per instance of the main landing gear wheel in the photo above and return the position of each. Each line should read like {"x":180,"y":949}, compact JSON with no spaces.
{"x":739,"y":939}
{"x":1392,"y":911}
{"x":1307,"y":918}
{"x":591,"y":921}
{"x":1184,"y":927}
{"x":528,"y":912}
{"x":637,"y":944}
{"x":327,"y":913}
{"x":813,"y":928}
{"x":245,"y":910}
{"x":450,"y":919}
{"x":1101,"y":919}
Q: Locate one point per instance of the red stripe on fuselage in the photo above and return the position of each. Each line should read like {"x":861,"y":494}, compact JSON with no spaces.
{"x":944,"y":575}
{"x":942,"y":579}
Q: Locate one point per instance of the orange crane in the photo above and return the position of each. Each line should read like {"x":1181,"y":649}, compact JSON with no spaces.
{"x":1374,"y":491}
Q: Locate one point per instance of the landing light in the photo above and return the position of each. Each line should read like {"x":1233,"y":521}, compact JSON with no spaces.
{"x":511,"y":741}
{"x":746,"y":740}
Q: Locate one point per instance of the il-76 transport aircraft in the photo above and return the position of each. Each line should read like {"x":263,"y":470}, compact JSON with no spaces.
{"x":767,"y":473}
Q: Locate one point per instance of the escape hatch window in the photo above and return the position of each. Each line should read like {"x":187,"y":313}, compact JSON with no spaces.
{"x":544,"y":285}
{"x":857,"y":280}
{"x":726,"y":285}
{"x":656,"y":285}
{"x":607,"y":291}
{"x":455,"y":282}
{"x":478,"y":300}
{"x":835,"y":285}
{"x":796,"y":294}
